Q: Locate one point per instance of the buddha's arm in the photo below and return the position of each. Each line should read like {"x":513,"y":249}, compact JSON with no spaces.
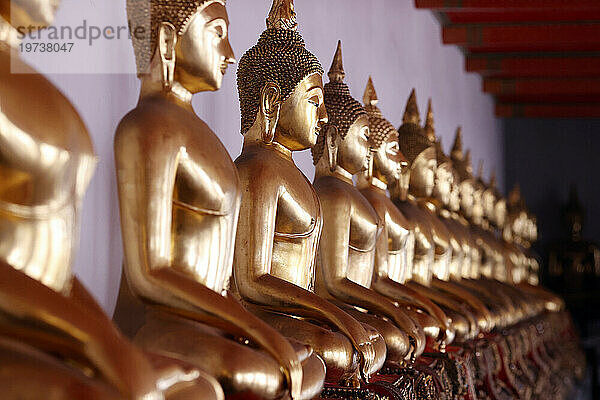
{"x":402,"y":293}
{"x":24,"y":151}
{"x":552,"y":301}
{"x":383,"y":284}
{"x":436,"y":296}
{"x":333,"y":256}
{"x":467,"y":297}
{"x":253,"y":255}
{"x":47,"y":319}
{"x":493,"y":300}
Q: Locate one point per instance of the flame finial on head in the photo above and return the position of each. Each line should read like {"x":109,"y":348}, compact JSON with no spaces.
{"x":343,"y":110}
{"x":480,"y":170}
{"x":457,"y":148}
{"x":336,"y":72}
{"x":493,"y":179}
{"x":468,"y":159}
{"x":514,"y":198}
{"x":282,"y":15}
{"x":370,"y":96}
{"x":429,"y":128}
{"x":411,"y":113}
{"x":381,"y":128}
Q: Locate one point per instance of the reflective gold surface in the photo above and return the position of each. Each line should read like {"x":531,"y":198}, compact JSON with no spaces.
{"x":394,"y":253}
{"x":46,"y":162}
{"x":244,"y":278}
{"x":448,"y":280}
{"x":281,"y":95}
{"x":351,"y":227}
{"x":179,"y":196}
{"x":432,"y":248}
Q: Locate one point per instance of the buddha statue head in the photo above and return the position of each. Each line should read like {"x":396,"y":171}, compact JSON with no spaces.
{"x":388,"y":160}
{"x":516,"y":214}
{"x":183,"y":43}
{"x":573,"y":215}
{"x":534,"y":229}
{"x":444,"y":174}
{"x":418,"y":150}
{"x":479,"y":187}
{"x":498,"y":213}
{"x":26,"y":13}
{"x":454,"y":198}
{"x":280,"y":85}
{"x":488,"y":200}
{"x":344,"y":139}
{"x":464,"y":170}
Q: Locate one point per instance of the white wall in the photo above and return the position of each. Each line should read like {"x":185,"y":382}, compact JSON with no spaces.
{"x":398,"y":45}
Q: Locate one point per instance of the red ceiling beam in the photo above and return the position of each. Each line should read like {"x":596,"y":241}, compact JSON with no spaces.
{"x":509,"y":110}
{"x":534,"y":66}
{"x":550,"y":86}
{"x":454,"y":5}
{"x":548,"y":98}
{"x":524,"y":37}
{"x":512,"y":16}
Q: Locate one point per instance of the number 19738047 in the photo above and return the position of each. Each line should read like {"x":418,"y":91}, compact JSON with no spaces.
{"x":46,"y":47}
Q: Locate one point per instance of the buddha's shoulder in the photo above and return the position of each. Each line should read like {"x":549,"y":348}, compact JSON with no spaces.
{"x":30,"y":103}
{"x":379,"y":202}
{"x":257,"y":161}
{"x":158,"y":120}
{"x":335,"y":192}
{"x":331,"y":186}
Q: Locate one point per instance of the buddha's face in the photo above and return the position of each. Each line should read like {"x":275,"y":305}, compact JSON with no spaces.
{"x":466,"y":197}
{"x":444,"y":179}
{"x":354,"y":148}
{"x":38,"y":13}
{"x":422,"y":177}
{"x":516,"y":225}
{"x":203,"y":51}
{"x":477,"y":212}
{"x":302,"y":115}
{"x":500,"y":212}
{"x":388,"y":160}
{"x":489,"y":202}
{"x":454,"y":199}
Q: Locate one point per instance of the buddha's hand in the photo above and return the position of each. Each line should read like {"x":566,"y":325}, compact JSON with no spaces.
{"x":360,"y":339}
{"x":125,"y":366}
{"x":367,"y":353}
{"x":449,"y":336}
{"x":406,"y":324}
{"x":288,"y":359}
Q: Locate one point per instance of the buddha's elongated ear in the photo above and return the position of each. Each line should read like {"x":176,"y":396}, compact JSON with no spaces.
{"x":331,"y":145}
{"x":167,"y":39}
{"x":370,"y":161}
{"x":270,"y":106}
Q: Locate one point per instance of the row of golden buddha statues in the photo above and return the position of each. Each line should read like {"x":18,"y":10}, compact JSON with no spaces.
{"x":242,"y":278}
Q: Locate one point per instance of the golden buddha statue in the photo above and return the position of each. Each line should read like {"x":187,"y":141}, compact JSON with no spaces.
{"x":351,"y":227}
{"x":179,"y":196}
{"x":471,"y":213}
{"x":55,"y":339}
{"x":437,"y":204}
{"x":394,"y":258}
{"x":432,"y":250}
{"x":573,"y":262}
{"x":281,"y":99}
{"x":524,"y":274}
